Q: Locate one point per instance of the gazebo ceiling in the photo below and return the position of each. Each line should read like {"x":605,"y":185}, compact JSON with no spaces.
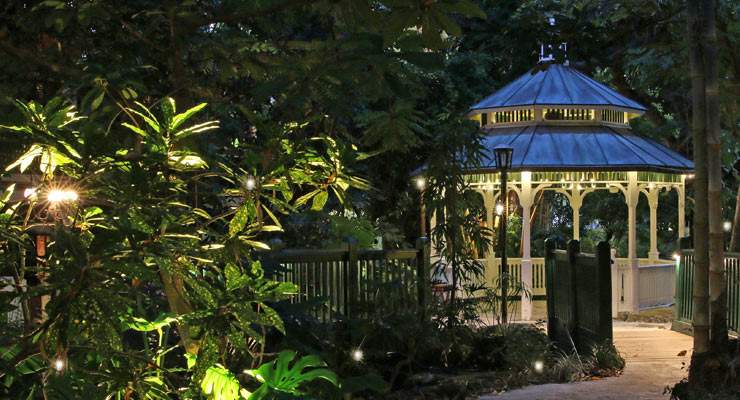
{"x":583,"y":148}
{"x":556,"y":85}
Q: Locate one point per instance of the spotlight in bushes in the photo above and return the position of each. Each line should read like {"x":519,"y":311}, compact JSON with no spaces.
{"x":357,"y":355}
{"x":59,"y":365}
{"x":539,"y":366}
{"x":251,"y":183}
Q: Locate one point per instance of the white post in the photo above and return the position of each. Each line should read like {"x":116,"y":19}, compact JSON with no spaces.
{"x":652,"y":196}
{"x":525,"y":200}
{"x":633,"y":196}
{"x":575,"y":203}
{"x":682,"y":207}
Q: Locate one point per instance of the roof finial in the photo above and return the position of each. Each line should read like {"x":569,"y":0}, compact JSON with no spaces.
{"x":547,"y":51}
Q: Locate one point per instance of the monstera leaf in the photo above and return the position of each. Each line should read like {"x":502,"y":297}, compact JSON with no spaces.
{"x":279,"y":377}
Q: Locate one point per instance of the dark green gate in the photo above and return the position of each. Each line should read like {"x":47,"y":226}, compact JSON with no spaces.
{"x":685,"y":286}
{"x":579,"y":311}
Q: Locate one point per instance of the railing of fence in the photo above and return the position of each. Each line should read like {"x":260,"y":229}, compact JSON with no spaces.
{"x":352,"y":282}
{"x":684,"y":287}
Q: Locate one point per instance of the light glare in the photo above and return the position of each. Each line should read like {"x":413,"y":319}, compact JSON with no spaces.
{"x":59,"y":364}
{"x":421,"y":183}
{"x":727,"y":226}
{"x":539,"y":366}
{"x":58,"y":196}
{"x":357,"y":355}
{"x":676,"y":257}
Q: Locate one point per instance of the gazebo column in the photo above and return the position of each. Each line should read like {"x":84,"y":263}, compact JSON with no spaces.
{"x":576,"y":201}
{"x":525,"y":201}
{"x":633,"y":196}
{"x":652,"y":196}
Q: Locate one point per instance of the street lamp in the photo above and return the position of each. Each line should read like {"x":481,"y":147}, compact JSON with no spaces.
{"x":503,"y":154}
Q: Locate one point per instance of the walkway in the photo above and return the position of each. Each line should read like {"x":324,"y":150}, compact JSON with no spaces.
{"x":651,"y":352}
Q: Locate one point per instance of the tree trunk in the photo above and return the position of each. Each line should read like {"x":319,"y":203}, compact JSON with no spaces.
{"x":717,"y":280}
{"x":701,"y":228}
{"x":734,"y":240}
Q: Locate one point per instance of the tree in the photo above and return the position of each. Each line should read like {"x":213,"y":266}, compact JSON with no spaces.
{"x":717,"y":279}
{"x":700,"y":232}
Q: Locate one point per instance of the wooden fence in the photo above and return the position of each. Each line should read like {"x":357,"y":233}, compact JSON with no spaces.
{"x":354,"y":282}
{"x":685,"y":285}
{"x":579,"y":294}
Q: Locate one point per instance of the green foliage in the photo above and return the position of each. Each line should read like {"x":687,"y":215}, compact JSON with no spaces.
{"x":140,"y":276}
{"x":286,"y":376}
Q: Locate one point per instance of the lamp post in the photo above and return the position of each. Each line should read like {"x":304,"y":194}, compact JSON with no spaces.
{"x":421,"y":184}
{"x":503,"y":155}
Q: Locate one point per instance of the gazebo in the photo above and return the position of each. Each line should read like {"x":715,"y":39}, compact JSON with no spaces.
{"x":571,"y":134}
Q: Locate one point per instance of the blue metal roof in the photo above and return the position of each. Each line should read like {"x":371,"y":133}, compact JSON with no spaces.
{"x":556,"y":85}
{"x":583,"y":148}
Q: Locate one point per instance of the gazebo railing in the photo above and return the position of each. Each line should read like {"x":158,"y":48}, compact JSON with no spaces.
{"x":537,"y":288}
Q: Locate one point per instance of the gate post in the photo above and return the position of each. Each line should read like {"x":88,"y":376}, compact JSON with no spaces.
{"x":550,"y":285}
{"x":604,"y":274}
{"x":574,"y":248}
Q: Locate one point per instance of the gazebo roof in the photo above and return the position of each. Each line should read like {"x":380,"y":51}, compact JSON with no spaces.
{"x":556,"y":85}
{"x":583,"y":148}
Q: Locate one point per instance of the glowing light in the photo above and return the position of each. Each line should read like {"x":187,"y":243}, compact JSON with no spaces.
{"x":30,"y":192}
{"x":59,"y":196}
{"x":676,"y":257}
{"x":59,"y":365}
{"x":727,"y":226}
{"x":421,"y":183}
{"x":250,"y":183}
{"x":357,"y":355}
{"x":499,"y":209}
{"x":539,"y":366}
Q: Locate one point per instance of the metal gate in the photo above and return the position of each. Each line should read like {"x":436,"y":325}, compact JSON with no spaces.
{"x":579,"y":311}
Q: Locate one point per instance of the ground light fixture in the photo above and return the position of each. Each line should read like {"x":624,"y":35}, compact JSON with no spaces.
{"x":503,"y":155}
{"x":357,"y":355}
{"x":727,"y":226}
{"x":539,"y":366}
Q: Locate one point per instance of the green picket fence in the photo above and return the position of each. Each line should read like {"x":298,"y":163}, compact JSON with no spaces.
{"x":684,"y":287}
{"x":354,"y":282}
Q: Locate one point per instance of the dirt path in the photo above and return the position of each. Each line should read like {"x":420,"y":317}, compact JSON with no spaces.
{"x":653,"y":363}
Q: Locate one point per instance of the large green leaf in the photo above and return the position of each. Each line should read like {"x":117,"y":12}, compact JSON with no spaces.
{"x":284,"y":375}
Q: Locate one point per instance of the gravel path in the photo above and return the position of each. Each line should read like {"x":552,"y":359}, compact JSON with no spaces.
{"x":651,"y":352}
